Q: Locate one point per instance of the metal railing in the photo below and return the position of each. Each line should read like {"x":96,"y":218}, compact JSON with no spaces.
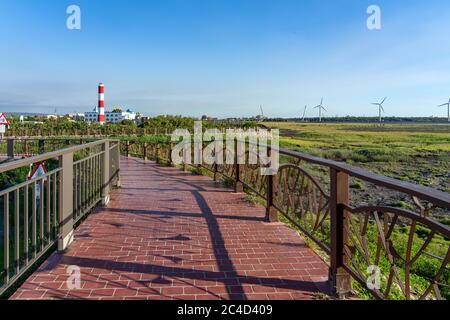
{"x":107,"y":131}
{"x":390,"y":252}
{"x":13,"y":148}
{"x":40,"y":213}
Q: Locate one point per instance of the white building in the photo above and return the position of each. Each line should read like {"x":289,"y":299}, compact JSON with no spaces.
{"x":111,"y":117}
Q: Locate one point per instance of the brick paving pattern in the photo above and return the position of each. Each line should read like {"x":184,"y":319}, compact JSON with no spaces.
{"x":167,"y":234}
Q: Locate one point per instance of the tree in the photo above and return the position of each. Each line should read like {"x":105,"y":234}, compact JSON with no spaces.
{"x":128,"y":123}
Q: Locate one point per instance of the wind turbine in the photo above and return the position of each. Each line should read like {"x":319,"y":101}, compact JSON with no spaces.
{"x":304,"y":113}
{"x":261,"y":116}
{"x":448,"y":109}
{"x":320,"y":107}
{"x":380,"y":108}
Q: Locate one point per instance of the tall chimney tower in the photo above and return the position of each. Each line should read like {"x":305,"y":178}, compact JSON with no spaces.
{"x":101,"y":103}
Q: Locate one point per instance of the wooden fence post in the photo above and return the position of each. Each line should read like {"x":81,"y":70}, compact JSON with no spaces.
{"x":340,"y":279}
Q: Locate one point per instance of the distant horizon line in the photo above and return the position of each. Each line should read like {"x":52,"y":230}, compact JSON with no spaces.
{"x":17,"y":113}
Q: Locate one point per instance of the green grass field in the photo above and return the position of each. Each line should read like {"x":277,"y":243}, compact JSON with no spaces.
{"x":414,"y":153}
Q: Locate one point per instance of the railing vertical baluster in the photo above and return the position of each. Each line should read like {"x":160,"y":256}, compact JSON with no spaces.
{"x":83,"y":187}
{"x":94,"y":178}
{"x":99,"y":175}
{"x":97,"y":179}
{"x":91,"y":184}
{"x":79,"y":189}
{"x":65,"y":201}
{"x":55,"y":229}
{"x":48,"y":201}
{"x":106,"y":170}
{"x":76,"y":191}
{"x":16,"y":231}
{"x":6,"y":238}
{"x":340,"y":279}
{"x":78,"y":173}
{"x":10,"y":148}
{"x":41,"y":213}
{"x":34,"y":219}
{"x":88,"y":186}
{"x":117,"y":163}
{"x":25,"y":223}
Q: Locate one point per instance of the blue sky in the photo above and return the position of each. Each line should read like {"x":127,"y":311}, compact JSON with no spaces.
{"x":226,"y":57}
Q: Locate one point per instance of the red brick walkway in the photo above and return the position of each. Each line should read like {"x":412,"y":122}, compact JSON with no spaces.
{"x":167,"y":234}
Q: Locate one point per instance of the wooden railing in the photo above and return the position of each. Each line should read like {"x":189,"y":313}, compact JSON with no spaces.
{"x":38,"y":214}
{"x":387,"y":251}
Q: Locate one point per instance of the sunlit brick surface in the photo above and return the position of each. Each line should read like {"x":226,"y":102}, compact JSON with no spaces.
{"x":167,"y":234}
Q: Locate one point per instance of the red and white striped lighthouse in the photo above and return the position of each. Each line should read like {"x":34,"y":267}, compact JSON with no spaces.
{"x":101,"y":103}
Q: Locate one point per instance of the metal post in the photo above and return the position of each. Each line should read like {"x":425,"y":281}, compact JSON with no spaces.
{"x":216,"y":172}
{"x":65,"y":201}
{"x":170,"y":155}
{"x":10,"y":148}
{"x":117,"y":157}
{"x":157,"y":153}
{"x":271,"y":211}
{"x":185,"y":157}
{"x":106,"y":175}
{"x":238,"y":186}
{"x":340,"y":279}
{"x":41,"y":145}
{"x":145,"y":151}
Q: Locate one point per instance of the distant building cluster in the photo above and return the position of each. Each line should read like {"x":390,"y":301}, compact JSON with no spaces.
{"x":111,"y":117}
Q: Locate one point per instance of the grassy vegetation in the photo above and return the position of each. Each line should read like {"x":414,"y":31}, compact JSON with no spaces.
{"x":160,"y":125}
{"x":415,"y":153}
